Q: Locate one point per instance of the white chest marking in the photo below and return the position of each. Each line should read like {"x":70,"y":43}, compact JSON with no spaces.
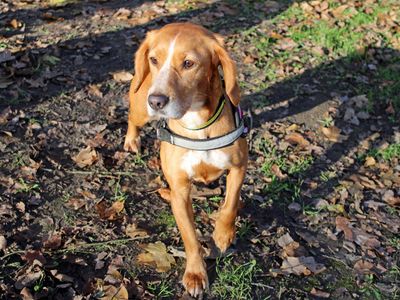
{"x":216,"y":158}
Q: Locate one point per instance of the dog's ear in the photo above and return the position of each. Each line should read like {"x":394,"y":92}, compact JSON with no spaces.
{"x":142,"y":62}
{"x":230,"y":73}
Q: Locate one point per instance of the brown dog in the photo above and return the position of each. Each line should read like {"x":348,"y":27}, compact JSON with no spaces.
{"x":177,"y":78}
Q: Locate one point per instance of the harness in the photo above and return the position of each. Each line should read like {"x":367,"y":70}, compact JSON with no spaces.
{"x":243,"y":126}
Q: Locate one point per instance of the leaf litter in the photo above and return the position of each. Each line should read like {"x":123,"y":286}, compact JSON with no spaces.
{"x":333,"y":186}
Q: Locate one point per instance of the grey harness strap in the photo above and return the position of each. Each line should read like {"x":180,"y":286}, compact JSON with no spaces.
{"x":166,"y":135}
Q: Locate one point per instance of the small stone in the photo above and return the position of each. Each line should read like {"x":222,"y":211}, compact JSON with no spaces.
{"x":294,"y":207}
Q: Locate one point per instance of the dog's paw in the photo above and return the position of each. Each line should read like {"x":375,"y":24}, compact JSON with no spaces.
{"x":132,"y":144}
{"x":195,"y":282}
{"x":223,"y":236}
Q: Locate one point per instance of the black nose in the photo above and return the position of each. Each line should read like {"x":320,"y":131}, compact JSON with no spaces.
{"x":157,"y":102}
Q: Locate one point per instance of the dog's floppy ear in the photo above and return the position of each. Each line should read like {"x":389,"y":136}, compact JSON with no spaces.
{"x":142,"y":62}
{"x":230,"y":73}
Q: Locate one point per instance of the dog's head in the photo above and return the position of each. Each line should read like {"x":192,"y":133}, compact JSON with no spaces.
{"x":183,"y":60}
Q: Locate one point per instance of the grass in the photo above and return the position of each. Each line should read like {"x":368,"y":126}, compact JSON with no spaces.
{"x":165,"y":218}
{"x":27,"y":187}
{"x":369,"y":289}
{"x":234,"y":281}
{"x":392,"y":151}
{"x":160,"y":289}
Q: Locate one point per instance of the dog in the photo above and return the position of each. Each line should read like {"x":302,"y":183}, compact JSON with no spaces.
{"x":177,"y":79}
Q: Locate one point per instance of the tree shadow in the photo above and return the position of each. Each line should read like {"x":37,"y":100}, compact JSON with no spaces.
{"x":74,"y":63}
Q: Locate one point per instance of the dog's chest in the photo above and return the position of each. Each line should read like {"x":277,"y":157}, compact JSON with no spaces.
{"x":192,"y":159}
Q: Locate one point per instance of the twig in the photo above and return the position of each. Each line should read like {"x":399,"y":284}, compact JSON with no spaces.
{"x":11,"y":253}
{"x":98,"y":173}
{"x":88,"y":245}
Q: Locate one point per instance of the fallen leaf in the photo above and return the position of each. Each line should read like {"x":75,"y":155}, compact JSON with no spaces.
{"x":27,"y":280}
{"x":332,"y":134}
{"x":20,"y":206}
{"x":26,"y":294}
{"x":122,"y":76}
{"x":53,"y":241}
{"x":95,"y":90}
{"x":301,"y":266}
{"x":297,"y":139}
{"x":31,"y":255}
{"x":363,"y":267}
{"x":157,"y":254}
{"x":248,"y":59}
{"x":319,"y":293}
{"x":343,"y":224}
{"x":115,"y":293}
{"x":85,"y":157}
{"x":277,"y":172}
{"x":369,"y":161}
{"x":390,"y":199}
{"x":109,"y":213}
{"x":75,"y":203}
{"x":132,"y":231}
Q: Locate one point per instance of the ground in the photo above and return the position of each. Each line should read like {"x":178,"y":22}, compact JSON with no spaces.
{"x":81,"y":219}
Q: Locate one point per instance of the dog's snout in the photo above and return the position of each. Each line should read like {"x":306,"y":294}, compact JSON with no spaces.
{"x":158,"y":102}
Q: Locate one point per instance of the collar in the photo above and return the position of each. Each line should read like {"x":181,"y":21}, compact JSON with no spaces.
{"x":213,"y":118}
{"x":243,"y":125}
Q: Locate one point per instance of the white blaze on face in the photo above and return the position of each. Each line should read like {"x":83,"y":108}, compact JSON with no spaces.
{"x":161,"y":81}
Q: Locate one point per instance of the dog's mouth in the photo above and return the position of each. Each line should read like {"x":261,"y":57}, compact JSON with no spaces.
{"x":171,"y":111}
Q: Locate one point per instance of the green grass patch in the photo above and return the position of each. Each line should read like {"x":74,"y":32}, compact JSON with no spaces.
{"x":165,"y":218}
{"x":234,"y":281}
{"x":160,"y":289}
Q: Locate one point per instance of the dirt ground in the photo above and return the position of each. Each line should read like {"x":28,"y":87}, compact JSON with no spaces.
{"x":81,"y":219}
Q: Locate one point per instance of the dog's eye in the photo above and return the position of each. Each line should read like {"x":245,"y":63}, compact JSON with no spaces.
{"x":187,"y":64}
{"x":154,"y":60}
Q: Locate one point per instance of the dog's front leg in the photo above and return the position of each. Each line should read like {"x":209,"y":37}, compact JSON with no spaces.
{"x":137,"y":116}
{"x":225,"y":229}
{"x":195,"y":278}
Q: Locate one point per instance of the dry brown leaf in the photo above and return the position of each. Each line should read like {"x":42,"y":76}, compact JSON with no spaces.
{"x":95,"y":90}
{"x":301,"y":266}
{"x":85,"y":157}
{"x":343,"y":224}
{"x":53,"y":242}
{"x":390,"y":199}
{"x":115,"y":293}
{"x":26,"y":294}
{"x":369,"y":161}
{"x":33,"y":255}
{"x":249,"y":59}
{"x":157,"y":255}
{"x":109,"y":213}
{"x":30,"y":171}
{"x":332,"y":134}
{"x":122,"y":76}
{"x":75,"y":203}
{"x":132,"y":231}
{"x":27,"y":279}
{"x":277,"y":172}
{"x":297,"y":139}
{"x":20,"y":206}
{"x":15,"y":23}
{"x":319,"y":293}
{"x":363,"y":267}
{"x":338,"y":11}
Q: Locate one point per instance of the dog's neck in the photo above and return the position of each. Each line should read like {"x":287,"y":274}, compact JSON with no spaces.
{"x":196,"y":117}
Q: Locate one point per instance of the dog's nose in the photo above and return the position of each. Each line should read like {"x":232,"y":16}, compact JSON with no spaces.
{"x":158,"y":102}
